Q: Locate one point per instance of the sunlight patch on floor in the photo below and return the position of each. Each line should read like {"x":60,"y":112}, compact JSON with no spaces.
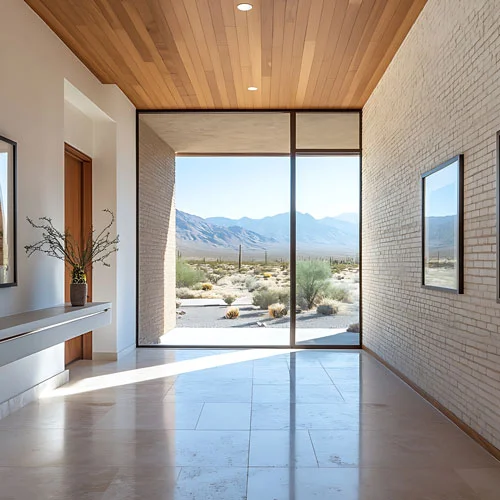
{"x":138,"y":375}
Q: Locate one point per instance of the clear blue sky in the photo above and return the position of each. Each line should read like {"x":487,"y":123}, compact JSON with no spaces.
{"x":441,"y":192}
{"x":257,"y":187}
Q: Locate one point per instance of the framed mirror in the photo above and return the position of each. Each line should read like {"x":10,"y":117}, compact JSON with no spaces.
{"x":8,"y":159}
{"x":443,"y":227}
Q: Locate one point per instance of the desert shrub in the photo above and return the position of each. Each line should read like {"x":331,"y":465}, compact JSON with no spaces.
{"x":232,"y":312}
{"x":338,"y":267}
{"x":301,"y":303}
{"x":277,"y":310}
{"x":206,"y":286}
{"x":252,"y":284}
{"x":186,"y":293}
{"x":353,"y":328}
{"x":187,"y":275}
{"x":215,"y":277}
{"x":338,"y":293}
{"x":327,"y":307}
{"x":312,"y":280}
{"x":267,"y":275}
{"x":264,"y":298}
{"x":237,"y":279}
{"x":229,"y":299}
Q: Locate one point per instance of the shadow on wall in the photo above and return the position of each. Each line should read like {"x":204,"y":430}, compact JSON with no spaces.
{"x":156,"y":233}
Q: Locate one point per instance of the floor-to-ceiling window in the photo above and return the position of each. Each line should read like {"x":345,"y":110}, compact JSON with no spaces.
{"x":264,"y":230}
{"x":327,"y":243}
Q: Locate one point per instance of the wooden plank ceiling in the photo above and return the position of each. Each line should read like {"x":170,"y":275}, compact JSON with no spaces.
{"x":204,"y":54}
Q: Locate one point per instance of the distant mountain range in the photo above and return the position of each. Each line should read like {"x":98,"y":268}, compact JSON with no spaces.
{"x":220,"y":236}
{"x":441,"y":234}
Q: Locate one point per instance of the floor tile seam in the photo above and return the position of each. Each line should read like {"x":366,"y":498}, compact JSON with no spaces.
{"x":250,"y":431}
{"x":334,"y":384}
{"x":199,"y":416}
{"x":313,"y":448}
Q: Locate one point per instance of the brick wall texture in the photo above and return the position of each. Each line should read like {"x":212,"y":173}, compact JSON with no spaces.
{"x":439,"y":97}
{"x":156,"y":237}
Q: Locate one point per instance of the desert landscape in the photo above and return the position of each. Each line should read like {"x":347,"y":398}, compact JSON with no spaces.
{"x":258,"y":294}
{"x":235,"y":273}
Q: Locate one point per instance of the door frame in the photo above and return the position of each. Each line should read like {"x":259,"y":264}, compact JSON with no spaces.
{"x":293,"y":153}
{"x":87,"y":226}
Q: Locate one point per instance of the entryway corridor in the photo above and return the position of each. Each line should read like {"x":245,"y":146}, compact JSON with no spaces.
{"x":235,"y":425}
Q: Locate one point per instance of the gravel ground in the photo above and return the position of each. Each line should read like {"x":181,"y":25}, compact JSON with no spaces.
{"x":213,"y":317}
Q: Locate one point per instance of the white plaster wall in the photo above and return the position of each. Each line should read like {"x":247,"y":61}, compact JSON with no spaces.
{"x":78,"y":129}
{"x":34,"y":65}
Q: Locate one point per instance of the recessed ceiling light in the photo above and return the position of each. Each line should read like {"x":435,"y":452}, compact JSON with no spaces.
{"x":253,"y":89}
{"x":245,"y":7}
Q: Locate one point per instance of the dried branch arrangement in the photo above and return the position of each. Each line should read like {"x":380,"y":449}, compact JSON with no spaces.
{"x":63,"y":246}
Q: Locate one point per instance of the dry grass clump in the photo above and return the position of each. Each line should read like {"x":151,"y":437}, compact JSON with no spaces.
{"x":277,"y":310}
{"x":232,"y":312}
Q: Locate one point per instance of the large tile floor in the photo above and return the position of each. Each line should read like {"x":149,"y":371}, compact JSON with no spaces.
{"x":234,"y":425}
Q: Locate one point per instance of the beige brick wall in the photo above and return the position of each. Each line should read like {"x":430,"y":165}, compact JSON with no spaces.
{"x":439,"y":97}
{"x":156,"y":237}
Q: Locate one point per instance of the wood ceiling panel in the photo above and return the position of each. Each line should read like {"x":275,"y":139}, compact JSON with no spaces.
{"x":204,"y":54}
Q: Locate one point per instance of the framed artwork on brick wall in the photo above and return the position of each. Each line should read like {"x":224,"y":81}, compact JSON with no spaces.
{"x":443,"y":226}
{"x":498,"y":215}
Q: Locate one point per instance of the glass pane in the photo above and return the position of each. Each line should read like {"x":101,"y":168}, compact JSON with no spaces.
{"x":232,"y":271}
{"x":214,"y":229}
{"x":327,"y":130}
{"x":328,"y":250}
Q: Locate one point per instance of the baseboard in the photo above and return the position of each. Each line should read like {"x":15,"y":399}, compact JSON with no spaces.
{"x":33,"y":394}
{"x":104,"y":356}
{"x":434,"y":402}
{"x":112,"y":356}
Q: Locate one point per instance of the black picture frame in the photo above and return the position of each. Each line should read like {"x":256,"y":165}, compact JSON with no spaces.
{"x":10,"y":279}
{"x":458,"y":162}
{"x":498,"y":212}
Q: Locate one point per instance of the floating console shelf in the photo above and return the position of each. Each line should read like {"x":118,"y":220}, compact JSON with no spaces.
{"x":27,"y":333}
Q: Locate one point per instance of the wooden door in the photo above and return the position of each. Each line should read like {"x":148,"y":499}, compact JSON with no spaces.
{"x":78,"y":220}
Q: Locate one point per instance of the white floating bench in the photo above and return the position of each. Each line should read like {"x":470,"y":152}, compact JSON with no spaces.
{"x":30,"y":332}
